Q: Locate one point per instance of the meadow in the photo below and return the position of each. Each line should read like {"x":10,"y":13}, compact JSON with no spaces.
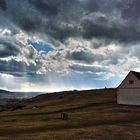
{"x":92,"y":115}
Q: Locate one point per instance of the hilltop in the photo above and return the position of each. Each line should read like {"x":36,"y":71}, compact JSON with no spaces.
{"x":92,"y":114}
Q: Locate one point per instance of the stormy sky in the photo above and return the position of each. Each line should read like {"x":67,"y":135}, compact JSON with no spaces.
{"x":53,"y":45}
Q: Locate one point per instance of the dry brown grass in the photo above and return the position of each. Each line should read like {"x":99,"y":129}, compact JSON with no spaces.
{"x":92,"y":115}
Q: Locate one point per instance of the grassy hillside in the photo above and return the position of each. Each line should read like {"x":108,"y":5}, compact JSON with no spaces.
{"x":92,"y":114}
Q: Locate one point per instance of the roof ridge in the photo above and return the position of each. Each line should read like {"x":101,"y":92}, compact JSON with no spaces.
{"x":137,"y":74}
{"x":134,"y":71}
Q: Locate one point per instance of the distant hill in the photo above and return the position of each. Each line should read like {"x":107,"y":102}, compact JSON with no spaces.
{"x":4,"y":94}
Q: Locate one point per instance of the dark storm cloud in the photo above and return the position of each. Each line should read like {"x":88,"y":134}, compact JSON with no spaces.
{"x":3,"y":5}
{"x":80,"y":56}
{"x":8,"y":49}
{"x":84,"y":56}
{"x":61,"y":19}
{"x":47,"y":7}
{"x":84,"y":68}
{"x":55,"y":7}
{"x":90,"y":5}
{"x":132,"y":10}
{"x":103,"y":27}
{"x":17,"y":68}
{"x":61,"y":32}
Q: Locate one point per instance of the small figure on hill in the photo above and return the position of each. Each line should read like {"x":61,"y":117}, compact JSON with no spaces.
{"x":64,"y":116}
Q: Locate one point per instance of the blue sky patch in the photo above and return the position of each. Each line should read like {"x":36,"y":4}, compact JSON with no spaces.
{"x":40,"y":46}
